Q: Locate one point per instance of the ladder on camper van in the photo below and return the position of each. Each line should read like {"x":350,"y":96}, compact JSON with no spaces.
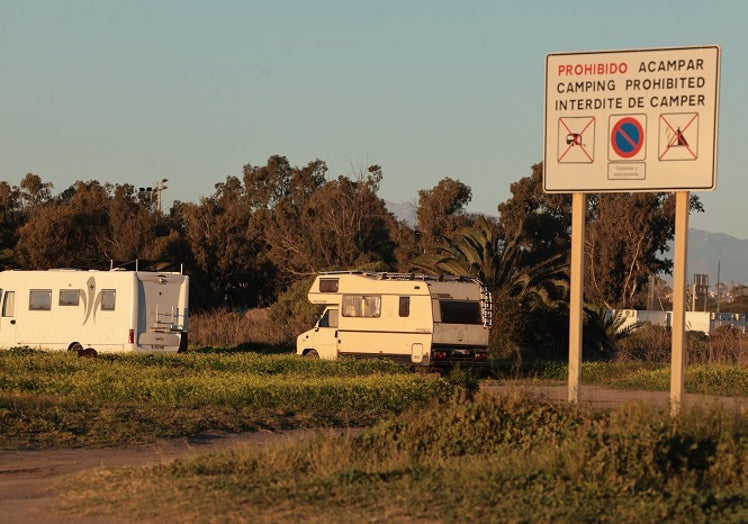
{"x":486,"y":302}
{"x":167,"y":321}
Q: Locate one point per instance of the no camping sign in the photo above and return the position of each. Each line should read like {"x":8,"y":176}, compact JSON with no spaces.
{"x":635,"y":120}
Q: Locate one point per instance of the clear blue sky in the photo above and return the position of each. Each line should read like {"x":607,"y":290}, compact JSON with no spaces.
{"x":139,"y":90}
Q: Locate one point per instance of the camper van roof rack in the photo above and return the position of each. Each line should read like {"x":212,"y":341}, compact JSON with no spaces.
{"x":384,"y":275}
{"x":146,"y":265}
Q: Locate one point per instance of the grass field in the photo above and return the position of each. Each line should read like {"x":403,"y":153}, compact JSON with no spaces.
{"x":59,"y":400}
{"x":430,"y":450}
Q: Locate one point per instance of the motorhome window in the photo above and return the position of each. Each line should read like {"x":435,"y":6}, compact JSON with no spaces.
{"x":362,"y":305}
{"x":460,"y":312}
{"x":328,"y":285}
{"x":9,"y":304}
{"x":404,"y":309}
{"x":329,"y":319}
{"x":108,"y":299}
{"x":40,"y":299}
{"x":69,"y":297}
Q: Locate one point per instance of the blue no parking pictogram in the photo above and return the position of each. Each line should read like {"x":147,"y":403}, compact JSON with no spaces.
{"x":627,"y":137}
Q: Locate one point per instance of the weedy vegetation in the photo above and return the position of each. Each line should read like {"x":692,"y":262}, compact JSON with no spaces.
{"x":508,"y":458}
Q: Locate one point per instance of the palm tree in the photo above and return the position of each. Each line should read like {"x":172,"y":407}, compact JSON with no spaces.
{"x":478,"y":250}
{"x":603,"y":329}
{"x":528,"y":298}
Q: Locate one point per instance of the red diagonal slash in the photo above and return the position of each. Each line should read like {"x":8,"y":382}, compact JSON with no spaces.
{"x":574,"y":142}
{"x":677,"y":135}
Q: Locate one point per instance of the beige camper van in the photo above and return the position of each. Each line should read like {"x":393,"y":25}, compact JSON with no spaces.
{"x":416,"y":319}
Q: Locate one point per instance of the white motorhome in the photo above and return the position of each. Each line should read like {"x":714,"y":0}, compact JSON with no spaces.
{"x":110,"y":311}
{"x":419,"y":320}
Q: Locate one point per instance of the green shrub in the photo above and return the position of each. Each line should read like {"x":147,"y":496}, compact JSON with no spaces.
{"x":293,"y":314}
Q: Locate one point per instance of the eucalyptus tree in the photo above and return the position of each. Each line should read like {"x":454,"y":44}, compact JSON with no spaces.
{"x":90,"y":224}
{"x":11,"y":219}
{"x":342,"y":224}
{"x":69,"y":231}
{"x":33,"y":191}
{"x":441,"y":211}
{"x":625,"y":242}
{"x":226,"y":247}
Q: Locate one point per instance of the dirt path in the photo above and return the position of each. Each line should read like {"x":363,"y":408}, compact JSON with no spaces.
{"x":27,"y":477}
{"x":599,"y":396}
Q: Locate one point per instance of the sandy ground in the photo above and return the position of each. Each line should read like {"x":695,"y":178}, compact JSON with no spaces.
{"x":27,"y":477}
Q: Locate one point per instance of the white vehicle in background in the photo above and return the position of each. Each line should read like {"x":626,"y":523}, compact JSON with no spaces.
{"x":416,"y":319}
{"x":110,"y":311}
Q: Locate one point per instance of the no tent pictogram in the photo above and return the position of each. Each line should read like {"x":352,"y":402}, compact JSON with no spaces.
{"x":679,"y":136}
{"x":627,"y":137}
{"x":576,"y":140}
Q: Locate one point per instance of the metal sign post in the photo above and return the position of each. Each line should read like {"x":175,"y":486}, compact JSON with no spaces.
{"x":682,"y":200}
{"x":576,"y":294}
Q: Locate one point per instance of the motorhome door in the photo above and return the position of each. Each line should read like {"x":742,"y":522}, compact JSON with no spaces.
{"x":8,"y":318}
{"x":326,"y":336}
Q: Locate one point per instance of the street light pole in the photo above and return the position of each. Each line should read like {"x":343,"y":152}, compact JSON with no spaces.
{"x":146,"y":194}
{"x":158,"y":189}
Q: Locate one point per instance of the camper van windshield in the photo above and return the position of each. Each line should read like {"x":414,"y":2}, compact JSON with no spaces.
{"x":460,"y":312}
{"x":329,"y":319}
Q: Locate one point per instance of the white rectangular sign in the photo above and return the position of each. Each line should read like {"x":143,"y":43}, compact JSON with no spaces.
{"x":636,"y":120}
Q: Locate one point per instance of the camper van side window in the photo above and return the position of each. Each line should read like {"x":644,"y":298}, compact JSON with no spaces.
{"x":404,"y":309}
{"x":362,"y":306}
{"x":9,"y":304}
{"x":69,"y":297}
{"x":40,"y":299}
{"x":108,"y":299}
{"x":328,"y":285}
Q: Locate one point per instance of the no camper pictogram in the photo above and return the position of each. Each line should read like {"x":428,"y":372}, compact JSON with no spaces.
{"x":576,"y":140}
{"x":626,"y":137}
{"x":679,"y":136}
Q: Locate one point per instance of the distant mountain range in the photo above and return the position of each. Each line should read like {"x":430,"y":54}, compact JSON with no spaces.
{"x":723,"y":257}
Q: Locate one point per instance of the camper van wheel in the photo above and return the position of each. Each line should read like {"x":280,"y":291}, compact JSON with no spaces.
{"x":87,"y":353}
{"x":312,"y":353}
{"x":75,"y":346}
